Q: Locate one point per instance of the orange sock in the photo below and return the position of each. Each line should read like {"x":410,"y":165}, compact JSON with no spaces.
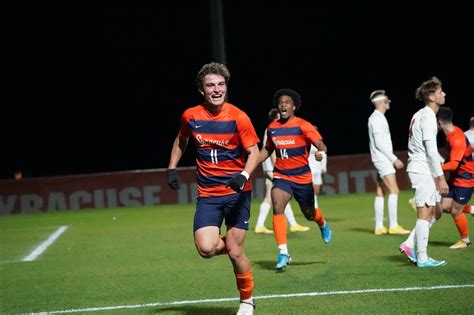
{"x":461,"y":224}
{"x":245,"y":284}
{"x":467,"y":209}
{"x":319,"y":217}
{"x":279,"y":228}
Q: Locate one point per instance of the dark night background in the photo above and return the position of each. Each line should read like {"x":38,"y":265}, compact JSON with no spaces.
{"x":94,"y":89}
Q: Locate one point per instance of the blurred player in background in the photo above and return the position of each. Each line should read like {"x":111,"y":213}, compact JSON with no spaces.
{"x":265,"y":206}
{"x":381,"y":153}
{"x":226,"y":155}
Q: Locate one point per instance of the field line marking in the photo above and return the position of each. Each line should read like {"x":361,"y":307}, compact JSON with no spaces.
{"x":43,"y":246}
{"x":262,"y":297}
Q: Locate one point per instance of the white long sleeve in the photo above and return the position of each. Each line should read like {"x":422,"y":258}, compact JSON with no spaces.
{"x":384,"y":146}
{"x":433,"y":157}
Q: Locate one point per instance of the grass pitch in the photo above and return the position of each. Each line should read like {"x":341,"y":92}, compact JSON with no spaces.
{"x":143,"y":261}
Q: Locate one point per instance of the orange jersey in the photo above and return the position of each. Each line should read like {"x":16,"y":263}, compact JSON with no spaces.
{"x":220,"y":142}
{"x":292,"y":141}
{"x":460,"y":150}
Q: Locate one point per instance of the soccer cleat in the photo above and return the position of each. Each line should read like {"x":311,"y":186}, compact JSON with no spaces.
{"x":409,"y":252}
{"x":412,"y":204}
{"x":398,"y":230}
{"x":263,"y":230}
{"x":381,"y":231}
{"x":299,"y":228}
{"x":430,"y":262}
{"x":460,"y":245}
{"x":326,"y":233}
{"x":283,"y":261}
{"x":246,"y":307}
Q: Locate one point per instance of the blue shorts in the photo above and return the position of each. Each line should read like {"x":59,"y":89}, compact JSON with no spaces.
{"x":235,"y":208}
{"x":303,"y":193}
{"x":461,"y":195}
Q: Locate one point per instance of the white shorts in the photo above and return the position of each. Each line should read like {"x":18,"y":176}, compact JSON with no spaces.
{"x":425,"y":189}
{"x":317,"y":178}
{"x":384,"y":168}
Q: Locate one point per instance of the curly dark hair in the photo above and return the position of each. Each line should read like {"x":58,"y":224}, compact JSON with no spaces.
{"x":288,"y":92}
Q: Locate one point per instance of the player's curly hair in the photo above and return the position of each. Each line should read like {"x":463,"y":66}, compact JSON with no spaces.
{"x":288,"y":92}
{"x":427,"y":88}
{"x":212,"y":68}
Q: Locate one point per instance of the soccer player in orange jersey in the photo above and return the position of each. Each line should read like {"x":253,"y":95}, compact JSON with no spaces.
{"x":291,"y":137}
{"x":226,"y":154}
{"x":461,"y":177}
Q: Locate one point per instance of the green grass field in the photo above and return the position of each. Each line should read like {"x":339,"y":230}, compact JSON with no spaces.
{"x":143,"y":260}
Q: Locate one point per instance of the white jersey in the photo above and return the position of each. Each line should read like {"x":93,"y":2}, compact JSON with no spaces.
{"x":380,"y":141}
{"x":317,"y":167}
{"x":470,"y":136}
{"x":268,"y":163}
{"x":423,"y":127}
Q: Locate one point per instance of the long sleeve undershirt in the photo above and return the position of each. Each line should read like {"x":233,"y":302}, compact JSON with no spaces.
{"x":433,"y":159}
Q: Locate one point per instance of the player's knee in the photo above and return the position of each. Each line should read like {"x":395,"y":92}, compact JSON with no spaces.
{"x":206,"y":251}
{"x":394,"y":191}
{"x":309,"y":214}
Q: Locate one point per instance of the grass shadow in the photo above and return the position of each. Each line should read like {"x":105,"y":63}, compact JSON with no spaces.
{"x":270,"y":265}
{"x":440,"y":244}
{"x":363,"y":230}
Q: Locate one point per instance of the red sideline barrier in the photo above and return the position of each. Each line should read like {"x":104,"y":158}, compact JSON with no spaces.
{"x":346,"y":174}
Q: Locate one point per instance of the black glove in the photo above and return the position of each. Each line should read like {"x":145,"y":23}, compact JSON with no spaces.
{"x":237,"y":183}
{"x":173,"y":179}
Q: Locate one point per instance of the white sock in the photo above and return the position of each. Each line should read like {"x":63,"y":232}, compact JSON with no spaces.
{"x":432,"y":221}
{"x":466,"y":240}
{"x":290,"y":216}
{"x":283,"y":248}
{"x":422,"y":235}
{"x":392,"y":210}
{"x":410,"y":241}
{"x":262,"y":215}
{"x":378,"y":206}
{"x":316,"y":201}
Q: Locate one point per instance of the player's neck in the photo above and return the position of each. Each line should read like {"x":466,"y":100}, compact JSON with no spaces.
{"x":434,"y":106}
{"x":448,"y":128}
{"x":214,"y":109}
{"x":285,"y":120}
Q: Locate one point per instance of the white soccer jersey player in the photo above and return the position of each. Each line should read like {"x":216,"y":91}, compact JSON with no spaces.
{"x":317,"y":167}
{"x":470,"y":136}
{"x":268,"y":163}
{"x":380,"y":144}
{"x":423,"y":127}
